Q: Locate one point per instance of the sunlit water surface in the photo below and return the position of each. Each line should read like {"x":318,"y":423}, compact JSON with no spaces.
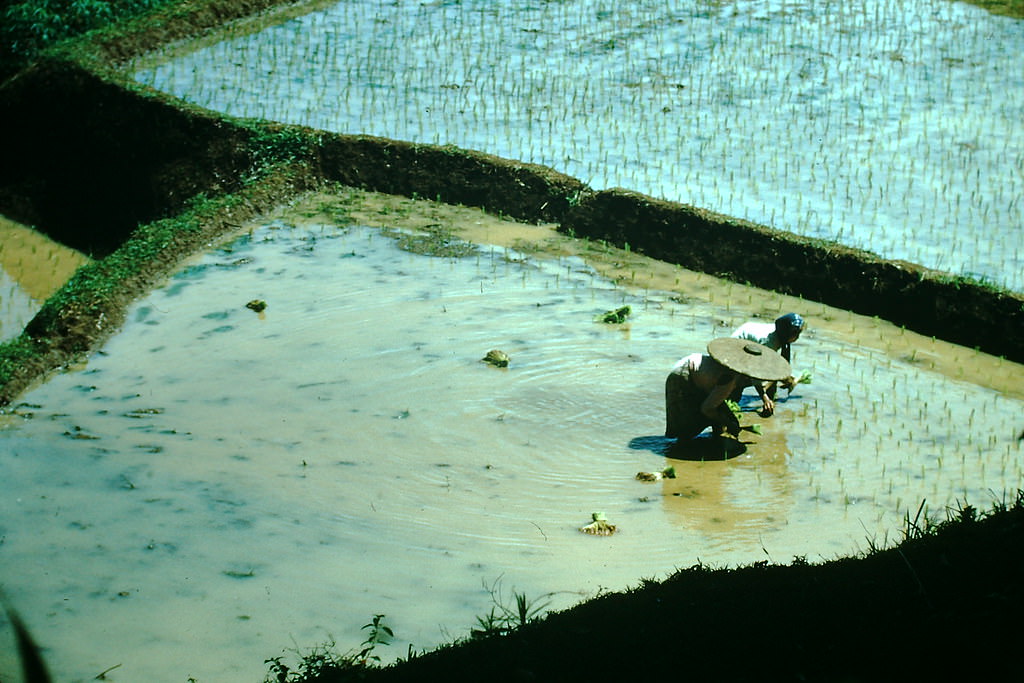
{"x":219,"y":485}
{"x":894,"y":126}
{"x":32,"y":267}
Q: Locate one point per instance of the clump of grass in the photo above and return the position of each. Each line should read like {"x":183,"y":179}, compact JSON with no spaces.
{"x":324,"y":661}
{"x":14,"y":354}
{"x":274,"y":144}
{"x":29,"y":27}
{"x":497,"y":358}
{"x":503,"y":618}
{"x":804,"y":378}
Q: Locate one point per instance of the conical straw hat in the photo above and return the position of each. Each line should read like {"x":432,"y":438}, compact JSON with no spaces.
{"x":749,"y":358}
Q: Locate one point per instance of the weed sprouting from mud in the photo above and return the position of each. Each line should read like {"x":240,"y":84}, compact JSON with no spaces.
{"x":505,"y":617}
{"x":323,"y":660}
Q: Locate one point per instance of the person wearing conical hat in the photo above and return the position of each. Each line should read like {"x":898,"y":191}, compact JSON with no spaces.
{"x":698,"y":386}
{"x":778,"y":336}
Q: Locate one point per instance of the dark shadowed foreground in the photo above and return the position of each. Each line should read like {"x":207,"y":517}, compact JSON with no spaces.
{"x":944,"y":605}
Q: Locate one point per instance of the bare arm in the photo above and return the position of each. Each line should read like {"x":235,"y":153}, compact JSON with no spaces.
{"x":769,"y":404}
{"x":714,"y":407}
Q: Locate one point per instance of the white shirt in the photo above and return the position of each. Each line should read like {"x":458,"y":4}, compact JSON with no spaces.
{"x":762,"y":333}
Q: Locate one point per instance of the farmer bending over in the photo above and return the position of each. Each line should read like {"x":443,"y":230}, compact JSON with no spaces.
{"x":699,"y":384}
{"x":777,"y":336}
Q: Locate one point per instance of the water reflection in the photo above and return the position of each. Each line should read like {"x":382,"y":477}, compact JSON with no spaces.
{"x":221,"y":481}
{"x":717,"y":487}
{"x":744,"y":497}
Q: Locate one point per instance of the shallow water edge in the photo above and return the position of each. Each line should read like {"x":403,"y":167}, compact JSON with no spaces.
{"x":177,"y":436}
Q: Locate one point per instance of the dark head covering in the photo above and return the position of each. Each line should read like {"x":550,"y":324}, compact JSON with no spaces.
{"x":789,"y":323}
{"x":785,"y":326}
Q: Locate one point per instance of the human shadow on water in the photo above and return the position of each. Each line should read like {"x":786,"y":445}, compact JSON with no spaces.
{"x":703,"y":447}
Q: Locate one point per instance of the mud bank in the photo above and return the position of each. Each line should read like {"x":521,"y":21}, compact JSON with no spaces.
{"x":88,"y":160}
{"x":927,"y":301}
{"x":79,"y":140}
{"x":770,"y":623}
{"x":91,"y":157}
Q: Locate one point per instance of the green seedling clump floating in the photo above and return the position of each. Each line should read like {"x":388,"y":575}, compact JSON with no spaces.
{"x":667,"y":473}
{"x":615,"y":317}
{"x":600,"y":526}
{"x":497,"y":358}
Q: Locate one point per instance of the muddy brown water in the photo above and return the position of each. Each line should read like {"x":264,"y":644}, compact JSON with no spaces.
{"x":218,"y":480}
{"x":32,"y":267}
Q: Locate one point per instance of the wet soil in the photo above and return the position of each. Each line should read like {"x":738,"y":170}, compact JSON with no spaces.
{"x":439,"y":222}
{"x":89,"y":158}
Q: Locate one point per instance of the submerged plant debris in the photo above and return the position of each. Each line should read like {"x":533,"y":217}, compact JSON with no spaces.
{"x":434,"y":240}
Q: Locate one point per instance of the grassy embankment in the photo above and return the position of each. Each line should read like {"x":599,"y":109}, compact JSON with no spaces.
{"x":941,"y":598}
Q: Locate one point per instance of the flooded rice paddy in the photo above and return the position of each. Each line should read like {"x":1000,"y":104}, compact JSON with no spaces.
{"x":890,"y":125}
{"x":219,"y":485}
{"x":32,"y":267}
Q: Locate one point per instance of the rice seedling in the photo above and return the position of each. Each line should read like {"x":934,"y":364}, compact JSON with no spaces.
{"x":599,"y":525}
{"x":838,"y":456}
{"x":591,"y":93}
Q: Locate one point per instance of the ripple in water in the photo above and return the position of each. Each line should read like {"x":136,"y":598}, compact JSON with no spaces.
{"x":224,"y":481}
